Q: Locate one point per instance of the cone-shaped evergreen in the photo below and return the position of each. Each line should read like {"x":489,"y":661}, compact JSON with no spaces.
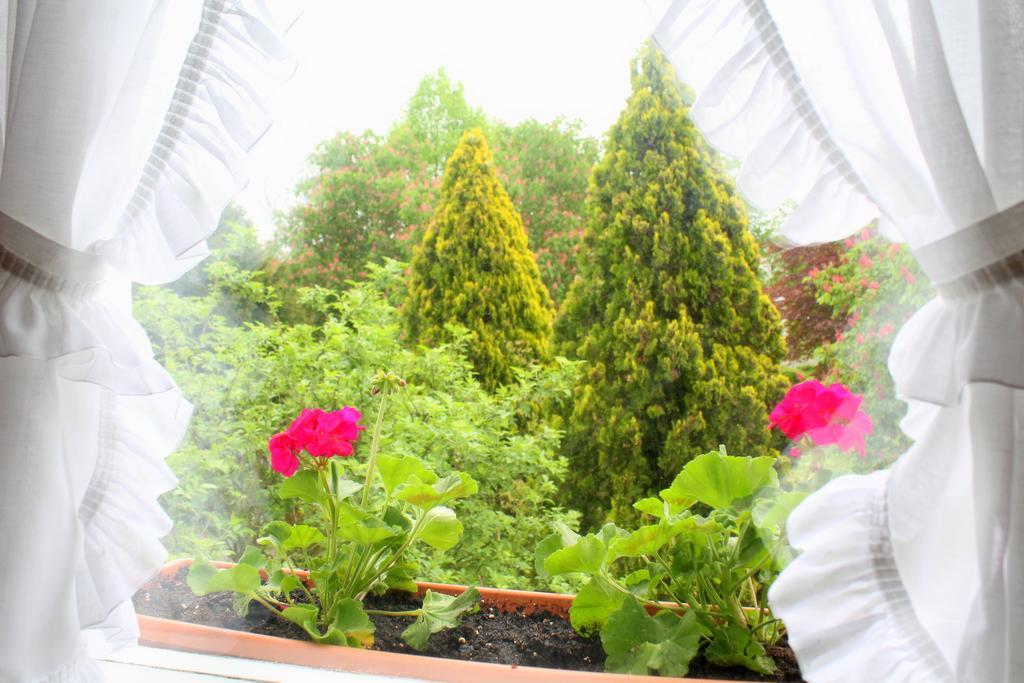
{"x":682,"y":344}
{"x":474,"y":268}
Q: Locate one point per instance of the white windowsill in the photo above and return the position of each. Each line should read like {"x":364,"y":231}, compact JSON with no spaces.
{"x":155,"y":665}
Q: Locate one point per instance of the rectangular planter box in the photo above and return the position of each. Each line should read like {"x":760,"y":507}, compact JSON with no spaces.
{"x":178,"y":635}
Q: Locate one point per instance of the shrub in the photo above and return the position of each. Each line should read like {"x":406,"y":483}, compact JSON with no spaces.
{"x":474,"y":269}
{"x":682,"y":344}
{"x":247,"y":379}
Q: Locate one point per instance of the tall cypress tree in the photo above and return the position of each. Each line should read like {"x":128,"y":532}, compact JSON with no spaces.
{"x":683,"y":346}
{"x":474,"y":268}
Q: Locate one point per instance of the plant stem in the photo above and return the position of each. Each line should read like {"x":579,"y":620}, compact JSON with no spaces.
{"x":374,"y":444}
{"x":386,"y":613}
{"x":302,"y":584}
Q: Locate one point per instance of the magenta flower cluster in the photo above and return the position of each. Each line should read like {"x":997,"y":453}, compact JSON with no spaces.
{"x":319,"y":433}
{"x":826,"y":415}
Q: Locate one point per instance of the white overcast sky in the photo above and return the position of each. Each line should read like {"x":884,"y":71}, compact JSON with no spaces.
{"x":360,"y":61}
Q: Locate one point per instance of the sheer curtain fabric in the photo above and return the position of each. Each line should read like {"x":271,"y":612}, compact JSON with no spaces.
{"x":125,"y":129}
{"x":911,"y":112}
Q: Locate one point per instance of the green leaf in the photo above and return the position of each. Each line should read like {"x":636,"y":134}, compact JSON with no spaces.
{"x":717,"y":480}
{"x":302,"y":536}
{"x":199,"y":574}
{"x":637,"y":643}
{"x":350,"y":625}
{"x":647,"y":540}
{"x":350,"y":619}
{"x":733,"y":645}
{"x":204,"y":578}
{"x":303,"y":615}
{"x":563,"y":537}
{"x":752,"y":550}
{"x":346,"y":487}
{"x":275,"y":533}
{"x":643,"y":582}
{"x":279,"y":581}
{"x":253,"y":557}
{"x":440,"y":529}
{"x":426,"y":496}
{"x":304,"y":485}
{"x":653,"y":506}
{"x":395,"y":471}
{"x":439,"y":612}
{"x":402,"y":577}
{"x":586,"y":555}
{"x":772,"y":512}
{"x":368,"y":532}
{"x":350,"y":514}
{"x":594,"y":603}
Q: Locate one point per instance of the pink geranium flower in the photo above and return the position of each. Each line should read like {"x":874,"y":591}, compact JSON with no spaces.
{"x":321,"y":434}
{"x":847,"y":426}
{"x":827,"y":415}
{"x":800,"y":410}
{"x":284,"y":457}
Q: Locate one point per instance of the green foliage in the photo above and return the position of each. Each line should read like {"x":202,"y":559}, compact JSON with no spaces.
{"x":233,"y":241}
{"x":474,"y":269}
{"x":545,"y":167}
{"x":372,"y":195}
{"x":807,"y":322}
{"x":359,"y":545}
{"x":248,"y":380}
{"x":682,"y":345}
{"x":720,"y":562}
{"x":439,"y":612}
{"x":873,"y":288}
{"x":435,"y":119}
{"x":366,"y":202}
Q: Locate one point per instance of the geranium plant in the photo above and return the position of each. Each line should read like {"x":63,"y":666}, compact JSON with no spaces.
{"x":364,"y":517}
{"x":713,"y":548}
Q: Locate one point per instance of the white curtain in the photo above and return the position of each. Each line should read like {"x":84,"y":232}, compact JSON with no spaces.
{"x":124,"y":131}
{"x":912,"y":112}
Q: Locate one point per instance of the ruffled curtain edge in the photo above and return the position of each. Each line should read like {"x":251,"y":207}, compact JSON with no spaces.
{"x":198,"y":161}
{"x":831,"y":201}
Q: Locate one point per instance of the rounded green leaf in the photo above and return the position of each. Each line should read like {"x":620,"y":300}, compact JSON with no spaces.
{"x":303,"y":536}
{"x":717,"y":479}
{"x":594,"y":603}
{"x":204,"y":578}
{"x":440,"y":529}
{"x":395,"y":471}
{"x":368,"y":532}
{"x":439,"y":611}
{"x":586,"y":556}
{"x":637,"y":643}
{"x":304,"y":485}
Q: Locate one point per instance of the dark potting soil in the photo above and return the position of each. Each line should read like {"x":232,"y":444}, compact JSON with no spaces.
{"x":539,"y":639}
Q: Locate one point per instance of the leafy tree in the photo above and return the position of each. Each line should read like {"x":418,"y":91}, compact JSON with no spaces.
{"x":365,"y":203}
{"x":435,"y":119}
{"x":248,"y":381}
{"x":372,"y":195}
{"x":682,"y":344}
{"x":545,"y":167}
{"x":807,"y":323}
{"x":474,"y":269}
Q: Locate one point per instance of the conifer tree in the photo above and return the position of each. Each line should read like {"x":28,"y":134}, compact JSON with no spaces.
{"x":475,"y":269}
{"x":683,"y":346}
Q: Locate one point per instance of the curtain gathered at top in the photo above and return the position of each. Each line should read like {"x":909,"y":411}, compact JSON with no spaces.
{"x":125,"y":130}
{"x":910,"y":112}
